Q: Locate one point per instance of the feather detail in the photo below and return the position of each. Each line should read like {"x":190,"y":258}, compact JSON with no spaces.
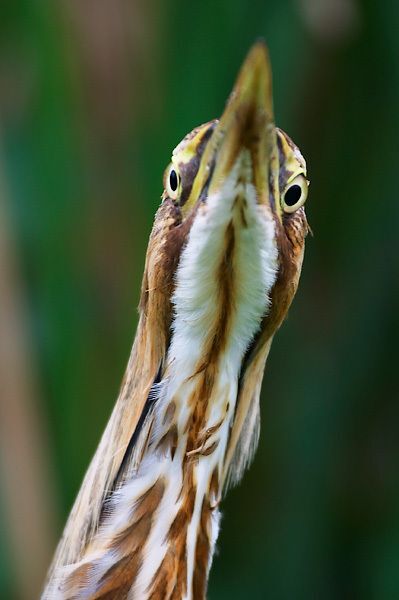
{"x":245,"y":431}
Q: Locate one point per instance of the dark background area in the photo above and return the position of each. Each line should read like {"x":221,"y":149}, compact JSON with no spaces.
{"x":94,"y":95}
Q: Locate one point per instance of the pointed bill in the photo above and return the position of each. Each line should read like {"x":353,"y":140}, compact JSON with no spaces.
{"x":247,"y":124}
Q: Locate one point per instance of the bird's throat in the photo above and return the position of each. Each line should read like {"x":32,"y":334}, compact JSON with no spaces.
{"x":223,"y":283}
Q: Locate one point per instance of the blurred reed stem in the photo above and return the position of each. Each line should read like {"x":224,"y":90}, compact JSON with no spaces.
{"x":25,"y":473}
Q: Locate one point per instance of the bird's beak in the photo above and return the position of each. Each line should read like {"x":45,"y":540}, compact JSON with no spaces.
{"x":247,"y":124}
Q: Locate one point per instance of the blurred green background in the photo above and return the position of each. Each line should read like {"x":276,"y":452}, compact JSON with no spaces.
{"x":94,"y":95}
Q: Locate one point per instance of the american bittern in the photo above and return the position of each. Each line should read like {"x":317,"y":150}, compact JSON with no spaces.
{"x":222,"y":267}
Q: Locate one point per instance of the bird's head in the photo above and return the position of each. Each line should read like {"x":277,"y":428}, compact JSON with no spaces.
{"x":243,"y":146}
{"x":235,"y":169}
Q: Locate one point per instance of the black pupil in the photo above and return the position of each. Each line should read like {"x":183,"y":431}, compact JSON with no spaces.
{"x":173,"y":181}
{"x":292,"y":195}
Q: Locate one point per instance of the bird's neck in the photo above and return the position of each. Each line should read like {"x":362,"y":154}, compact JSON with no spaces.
{"x":159,"y":527}
{"x":170,"y":506}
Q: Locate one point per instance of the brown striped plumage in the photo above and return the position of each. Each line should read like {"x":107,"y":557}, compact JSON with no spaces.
{"x":222,"y":267}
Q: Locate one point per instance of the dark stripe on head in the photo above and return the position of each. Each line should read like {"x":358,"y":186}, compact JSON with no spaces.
{"x":189,"y":170}
{"x":284,"y":173}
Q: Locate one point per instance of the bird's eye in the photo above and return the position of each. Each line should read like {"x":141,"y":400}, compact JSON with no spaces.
{"x":172,"y":182}
{"x":295,"y":195}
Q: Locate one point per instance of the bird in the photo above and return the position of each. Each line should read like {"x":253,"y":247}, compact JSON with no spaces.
{"x":222,"y":267}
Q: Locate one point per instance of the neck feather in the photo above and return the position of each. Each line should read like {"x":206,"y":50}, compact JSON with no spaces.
{"x":159,"y":526}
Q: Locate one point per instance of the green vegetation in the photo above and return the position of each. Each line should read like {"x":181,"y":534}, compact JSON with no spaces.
{"x":93,"y":98}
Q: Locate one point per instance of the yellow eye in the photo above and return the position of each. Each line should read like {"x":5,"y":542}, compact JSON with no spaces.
{"x":295,"y":195}
{"x":172,"y":182}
